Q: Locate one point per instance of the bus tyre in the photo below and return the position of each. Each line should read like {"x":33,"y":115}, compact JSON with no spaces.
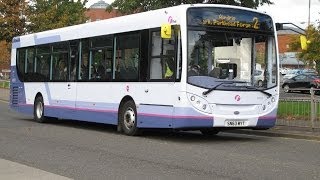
{"x":38,"y":110}
{"x":209,"y":132}
{"x":128,"y":118}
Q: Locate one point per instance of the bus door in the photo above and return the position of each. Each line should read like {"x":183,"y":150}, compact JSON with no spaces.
{"x":63,"y":89}
{"x":160,"y":94}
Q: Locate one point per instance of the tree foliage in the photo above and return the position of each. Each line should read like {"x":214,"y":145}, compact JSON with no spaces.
{"x":131,"y":6}
{"x":4,"y":54}
{"x":12,"y":19}
{"x":311,"y":55}
{"x":52,"y":14}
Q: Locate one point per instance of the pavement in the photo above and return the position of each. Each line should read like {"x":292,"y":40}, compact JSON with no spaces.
{"x":12,"y":170}
{"x":305,"y":133}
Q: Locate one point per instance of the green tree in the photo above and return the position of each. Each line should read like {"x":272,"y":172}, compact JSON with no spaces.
{"x":12,"y":23}
{"x":12,"y":19}
{"x":132,"y":6}
{"x":311,"y":55}
{"x":52,"y":14}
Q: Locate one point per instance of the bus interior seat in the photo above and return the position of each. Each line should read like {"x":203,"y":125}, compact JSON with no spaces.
{"x":216,"y":72}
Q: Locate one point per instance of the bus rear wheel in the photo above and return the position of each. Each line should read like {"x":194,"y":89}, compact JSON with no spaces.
{"x":128,"y":118}
{"x":38,"y":110}
{"x":209,"y":132}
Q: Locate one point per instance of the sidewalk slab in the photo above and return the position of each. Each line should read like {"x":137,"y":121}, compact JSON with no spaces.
{"x":11,"y":170}
{"x":4,"y":94}
{"x":284,"y":131}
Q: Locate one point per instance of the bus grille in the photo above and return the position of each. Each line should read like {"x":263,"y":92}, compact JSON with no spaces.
{"x":15,"y":95}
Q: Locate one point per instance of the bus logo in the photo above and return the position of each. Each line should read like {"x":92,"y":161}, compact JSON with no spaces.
{"x":237,"y":98}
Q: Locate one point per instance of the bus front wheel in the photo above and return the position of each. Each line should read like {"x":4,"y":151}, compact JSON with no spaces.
{"x":128,"y":118}
{"x":38,"y":110}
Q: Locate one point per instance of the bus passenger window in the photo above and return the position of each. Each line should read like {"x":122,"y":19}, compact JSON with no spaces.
{"x":128,"y":57}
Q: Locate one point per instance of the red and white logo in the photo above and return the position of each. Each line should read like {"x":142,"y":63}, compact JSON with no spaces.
{"x":237,"y":98}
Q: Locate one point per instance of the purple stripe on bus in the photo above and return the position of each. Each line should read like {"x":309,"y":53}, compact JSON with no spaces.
{"x":111,"y":117}
{"x":176,"y":116}
{"x":267,"y":117}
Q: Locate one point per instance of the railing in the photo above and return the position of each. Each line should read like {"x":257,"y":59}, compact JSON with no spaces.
{"x":301,"y":112}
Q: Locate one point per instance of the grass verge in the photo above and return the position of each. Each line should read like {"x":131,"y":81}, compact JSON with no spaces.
{"x":5,"y":84}
{"x":296,"y":110}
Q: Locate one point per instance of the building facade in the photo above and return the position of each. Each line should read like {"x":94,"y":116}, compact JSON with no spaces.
{"x":98,"y":11}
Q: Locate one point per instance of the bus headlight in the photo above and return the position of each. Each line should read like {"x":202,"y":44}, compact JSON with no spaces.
{"x":199,"y":103}
{"x":268,"y":104}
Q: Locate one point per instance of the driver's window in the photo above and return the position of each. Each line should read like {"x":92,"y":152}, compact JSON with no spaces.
{"x":163,"y":57}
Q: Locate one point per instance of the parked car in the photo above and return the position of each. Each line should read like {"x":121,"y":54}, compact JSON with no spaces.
{"x":301,"y":81}
{"x":309,"y":71}
{"x":284,"y":71}
{"x":292,"y":73}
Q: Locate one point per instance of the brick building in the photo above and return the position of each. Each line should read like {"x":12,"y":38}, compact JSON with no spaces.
{"x":97,"y":12}
{"x":288,"y":58}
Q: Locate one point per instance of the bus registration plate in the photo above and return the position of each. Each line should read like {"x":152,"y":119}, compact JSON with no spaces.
{"x":236,"y":123}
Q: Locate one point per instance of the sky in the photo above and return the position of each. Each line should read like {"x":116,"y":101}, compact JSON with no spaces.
{"x":293,"y":11}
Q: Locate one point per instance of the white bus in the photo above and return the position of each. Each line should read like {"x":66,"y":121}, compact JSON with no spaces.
{"x":188,"y":67}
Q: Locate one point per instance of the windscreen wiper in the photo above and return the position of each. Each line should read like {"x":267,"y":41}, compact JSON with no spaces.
{"x":215,"y":87}
{"x":256,"y":89}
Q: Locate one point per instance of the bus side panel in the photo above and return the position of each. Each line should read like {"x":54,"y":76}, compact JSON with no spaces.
{"x":153,"y":116}
{"x":268,"y":120}
{"x":18,"y":95}
{"x":189,"y":118}
{"x":101,"y":113}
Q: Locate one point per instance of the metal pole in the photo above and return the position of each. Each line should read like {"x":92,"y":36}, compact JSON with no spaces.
{"x":313,"y":115}
{"x":309,"y":13}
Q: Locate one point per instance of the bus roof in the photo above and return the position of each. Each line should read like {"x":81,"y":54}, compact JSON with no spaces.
{"x":133,"y":22}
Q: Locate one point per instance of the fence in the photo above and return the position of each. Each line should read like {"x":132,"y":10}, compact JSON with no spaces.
{"x":301,"y":112}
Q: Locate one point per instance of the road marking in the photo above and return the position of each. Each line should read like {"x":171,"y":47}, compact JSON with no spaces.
{"x":13,"y":170}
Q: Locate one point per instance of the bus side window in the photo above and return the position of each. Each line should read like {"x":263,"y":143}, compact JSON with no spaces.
{"x":128,"y":57}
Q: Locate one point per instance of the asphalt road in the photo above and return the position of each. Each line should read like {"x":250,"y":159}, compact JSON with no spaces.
{"x":93,"y":151}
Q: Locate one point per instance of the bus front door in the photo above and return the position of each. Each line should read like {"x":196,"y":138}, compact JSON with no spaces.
{"x":157,"y":105}
{"x":62,"y":99}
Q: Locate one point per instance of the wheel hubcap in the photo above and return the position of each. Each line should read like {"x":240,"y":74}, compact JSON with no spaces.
{"x":286,"y":88}
{"x":39,"y":110}
{"x":129,"y":118}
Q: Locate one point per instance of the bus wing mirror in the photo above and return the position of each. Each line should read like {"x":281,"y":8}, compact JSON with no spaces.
{"x":279,"y":26}
{"x":304,"y":42}
{"x":166,"y":31}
